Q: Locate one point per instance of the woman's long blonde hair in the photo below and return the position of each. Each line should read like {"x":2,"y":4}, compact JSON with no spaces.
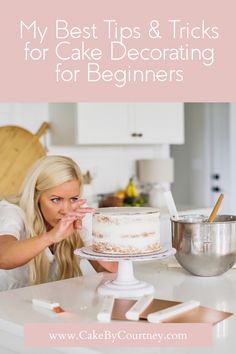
{"x":46,"y":173}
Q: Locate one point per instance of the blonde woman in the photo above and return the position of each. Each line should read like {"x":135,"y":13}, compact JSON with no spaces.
{"x":39,"y":229}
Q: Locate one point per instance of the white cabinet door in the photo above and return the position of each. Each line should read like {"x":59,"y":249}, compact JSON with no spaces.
{"x":106,"y":123}
{"x":116,"y":123}
{"x":159,"y":123}
{"x":138,"y":123}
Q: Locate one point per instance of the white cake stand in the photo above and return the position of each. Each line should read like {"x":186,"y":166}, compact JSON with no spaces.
{"x":125,"y":285}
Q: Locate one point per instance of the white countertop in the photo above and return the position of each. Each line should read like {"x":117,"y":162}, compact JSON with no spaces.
{"x":78,"y":296}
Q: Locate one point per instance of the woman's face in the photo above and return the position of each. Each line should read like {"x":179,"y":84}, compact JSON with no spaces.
{"x":59,"y":201}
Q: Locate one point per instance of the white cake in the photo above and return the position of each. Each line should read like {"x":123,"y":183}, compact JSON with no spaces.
{"x":126,"y":230}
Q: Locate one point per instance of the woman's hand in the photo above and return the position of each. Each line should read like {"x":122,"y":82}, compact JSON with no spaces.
{"x":81,"y":212}
{"x":68,"y":224}
{"x":64,"y":228}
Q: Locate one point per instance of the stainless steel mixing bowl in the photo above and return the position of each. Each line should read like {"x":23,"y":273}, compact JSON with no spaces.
{"x":202,"y":248}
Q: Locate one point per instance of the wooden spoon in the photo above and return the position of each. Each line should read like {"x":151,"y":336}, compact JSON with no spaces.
{"x":215,"y":209}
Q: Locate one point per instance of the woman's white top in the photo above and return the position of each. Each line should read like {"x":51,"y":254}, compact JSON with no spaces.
{"x":12,"y":223}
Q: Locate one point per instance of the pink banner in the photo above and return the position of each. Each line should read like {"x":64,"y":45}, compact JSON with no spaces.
{"x":120,"y":334}
{"x":156,"y":50}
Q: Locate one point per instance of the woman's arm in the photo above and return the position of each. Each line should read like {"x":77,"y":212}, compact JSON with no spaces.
{"x":15,"y":253}
{"x":100,"y":266}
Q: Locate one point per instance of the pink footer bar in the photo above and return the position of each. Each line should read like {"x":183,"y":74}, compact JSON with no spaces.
{"x":120,"y":334}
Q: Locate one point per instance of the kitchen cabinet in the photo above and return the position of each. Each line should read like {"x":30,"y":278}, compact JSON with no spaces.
{"x":161,"y":123}
{"x":116,"y":123}
{"x":103,"y":123}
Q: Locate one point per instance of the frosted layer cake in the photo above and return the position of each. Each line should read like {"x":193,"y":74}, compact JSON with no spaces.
{"x":126,"y":230}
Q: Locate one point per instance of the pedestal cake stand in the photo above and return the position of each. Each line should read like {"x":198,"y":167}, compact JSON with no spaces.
{"x":125,"y":285}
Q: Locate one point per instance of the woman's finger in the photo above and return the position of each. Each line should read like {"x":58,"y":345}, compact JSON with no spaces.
{"x":82,"y":201}
{"x":80,"y":212}
{"x":68,"y":219}
{"x":78,"y":224}
{"x":85,"y":210}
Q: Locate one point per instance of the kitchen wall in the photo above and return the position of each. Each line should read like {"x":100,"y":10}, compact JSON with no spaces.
{"x":192,"y":159}
{"x":26,"y":115}
{"x":209,"y":151}
{"x":232,"y":156}
{"x":111,"y":166}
